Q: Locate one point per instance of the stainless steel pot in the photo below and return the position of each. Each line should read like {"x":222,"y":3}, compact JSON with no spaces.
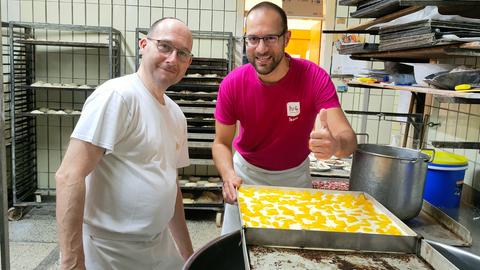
{"x":393,"y":176}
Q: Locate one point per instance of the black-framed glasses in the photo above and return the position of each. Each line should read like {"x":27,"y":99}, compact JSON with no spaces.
{"x":269,"y":40}
{"x":167,"y":48}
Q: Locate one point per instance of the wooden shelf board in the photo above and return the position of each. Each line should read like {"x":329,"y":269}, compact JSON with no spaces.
{"x":386,"y":18}
{"x":417,"y":89}
{"x":352,"y":31}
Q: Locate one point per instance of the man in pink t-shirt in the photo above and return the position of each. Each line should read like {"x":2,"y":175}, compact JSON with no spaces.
{"x":276,"y":99}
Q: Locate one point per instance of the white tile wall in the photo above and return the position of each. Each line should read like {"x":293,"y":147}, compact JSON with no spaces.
{"x":206,"y":4}
{"x":194,"y":19}
{"x":106,"y":17}
{"x":206,"y":20}
{"x":87,"y":67}
{"x":43,"y":180}
{"x":26,"y":11}
{"x":79,"y":16}
{"x":194,"y":4}
{"x":52,"y":12}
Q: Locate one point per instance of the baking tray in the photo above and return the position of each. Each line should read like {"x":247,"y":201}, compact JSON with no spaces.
{"x":304,"y":249}
{"x":316,"y":239}
{"x":266,"y":258}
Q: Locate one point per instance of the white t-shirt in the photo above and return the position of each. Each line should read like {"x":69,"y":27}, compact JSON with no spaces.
{"x":132,"y":190}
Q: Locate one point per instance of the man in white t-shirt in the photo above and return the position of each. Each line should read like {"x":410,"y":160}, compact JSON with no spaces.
{"x":118,"y":202}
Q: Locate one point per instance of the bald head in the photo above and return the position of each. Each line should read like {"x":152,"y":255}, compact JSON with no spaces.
{"x":169,"y":24}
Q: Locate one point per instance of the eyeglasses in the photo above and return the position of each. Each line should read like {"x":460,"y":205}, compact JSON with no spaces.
{"x":166,"y":48}
{"x":268,"y":40}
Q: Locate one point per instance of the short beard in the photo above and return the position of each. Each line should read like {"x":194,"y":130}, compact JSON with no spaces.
{"x":268,"y":69}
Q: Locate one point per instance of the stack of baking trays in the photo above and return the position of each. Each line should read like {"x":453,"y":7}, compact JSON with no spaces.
{"x":201,"y":190}
{"x":350,"y":48}
{"x":372,"y":8}
{"x":196,"y":94}
{"x":293,"y":228}
{"x":424,"y":33}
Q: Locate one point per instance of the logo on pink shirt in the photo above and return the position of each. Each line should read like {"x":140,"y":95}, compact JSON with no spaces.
{"x":293,"y":110}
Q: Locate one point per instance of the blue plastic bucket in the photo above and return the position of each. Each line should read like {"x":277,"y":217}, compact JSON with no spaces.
{"x":443,"y":184}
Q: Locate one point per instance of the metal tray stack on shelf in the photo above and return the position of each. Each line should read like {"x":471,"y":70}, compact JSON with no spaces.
{"x":196,"y":95}
{"x":201,"y":192}
{"x":379,"y":8}
{"x":372,"y":8}
{"x":36,"y":101}
{"x":424,"y":33}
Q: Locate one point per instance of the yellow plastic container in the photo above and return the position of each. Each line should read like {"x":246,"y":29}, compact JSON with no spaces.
{"x":445,"y":158}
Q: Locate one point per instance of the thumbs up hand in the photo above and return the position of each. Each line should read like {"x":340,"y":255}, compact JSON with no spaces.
{"x":322,"y":144}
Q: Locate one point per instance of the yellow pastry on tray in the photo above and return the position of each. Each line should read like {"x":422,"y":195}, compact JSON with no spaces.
{"x":269,"y":207}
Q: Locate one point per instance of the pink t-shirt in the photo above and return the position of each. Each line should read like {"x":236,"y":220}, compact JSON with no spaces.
{"x":275,"y":120}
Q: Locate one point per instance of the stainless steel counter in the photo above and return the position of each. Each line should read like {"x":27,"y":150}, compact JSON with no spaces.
{"x":468,"y":214}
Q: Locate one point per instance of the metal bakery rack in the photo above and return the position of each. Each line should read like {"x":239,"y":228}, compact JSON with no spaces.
{"x":39,"y":136}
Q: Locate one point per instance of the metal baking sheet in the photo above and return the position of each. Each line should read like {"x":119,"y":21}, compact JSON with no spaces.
{"x":266,"y":258}
{"x":425,"y":257}
{"x":431,"y":24}
{"x":413,"y":42}
{"x":199,"y":110}
{"x":316,"y":239}
{"x":357,"y":48}
{"x":205,"y":86}
{"x":348,"y":2}
{"x":404,"y":34}
{"x":379,"y":9}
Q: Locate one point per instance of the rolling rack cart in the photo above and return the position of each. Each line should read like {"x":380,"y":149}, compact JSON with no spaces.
{"x":5,"y":124}
{"x":6,"y":100}
{"x":50,"y":108}
{"x":196,"y":95}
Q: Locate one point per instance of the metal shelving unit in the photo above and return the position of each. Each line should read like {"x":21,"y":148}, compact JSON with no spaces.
{"x":26,"y":41}
{"x":4,"y":80}
{"x":196,"y":95}
{"x":422,"y":97}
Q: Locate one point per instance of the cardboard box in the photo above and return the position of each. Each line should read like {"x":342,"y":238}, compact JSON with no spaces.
{"x":304,"y":8}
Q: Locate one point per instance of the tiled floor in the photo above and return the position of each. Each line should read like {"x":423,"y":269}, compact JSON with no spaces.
{"x":33,"y":240}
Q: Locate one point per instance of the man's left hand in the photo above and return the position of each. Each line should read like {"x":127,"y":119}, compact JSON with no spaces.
{"x":322,"y":144}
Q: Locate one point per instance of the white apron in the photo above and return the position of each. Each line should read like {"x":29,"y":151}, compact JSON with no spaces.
{"x":106,"y":251}
{"x":252,"y":175}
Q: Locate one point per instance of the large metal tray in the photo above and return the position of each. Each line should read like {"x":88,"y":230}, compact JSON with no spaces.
{"x":266,"y":258}
{"x":316,"y":239}
{"x":277,"y":248}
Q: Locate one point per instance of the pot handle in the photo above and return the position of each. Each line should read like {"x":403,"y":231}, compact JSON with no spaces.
{"x":364,"y":134}
{"x":432,"y":156}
